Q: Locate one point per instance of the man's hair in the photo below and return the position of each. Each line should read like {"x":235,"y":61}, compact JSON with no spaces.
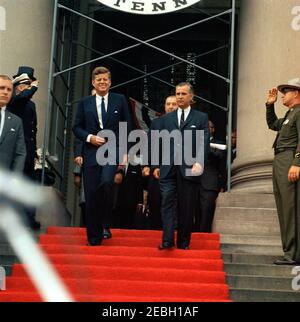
{"x":170,"y":96}
{"x":5,"y":77}
{"x":100,"y":70}
{"x":187,"y":84}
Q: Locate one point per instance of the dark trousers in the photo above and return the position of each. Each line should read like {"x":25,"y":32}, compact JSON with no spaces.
{"x":175,"y":186}
{"x":287,"y":197}
{"x":28,"y":172}
{"x":154,"y":201}
{"x":206,"y":210}
{"x":98,"y":188}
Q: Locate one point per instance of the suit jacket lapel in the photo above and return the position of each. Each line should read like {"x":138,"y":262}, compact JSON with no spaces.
{"x":175,"y":119}
{"x":7,"y":126}
{"x":189,"y":119}
{"x":93,"y":104}
{"x":110,"y":102}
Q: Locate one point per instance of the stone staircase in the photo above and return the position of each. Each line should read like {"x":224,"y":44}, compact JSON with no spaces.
{"x":250,"y":238}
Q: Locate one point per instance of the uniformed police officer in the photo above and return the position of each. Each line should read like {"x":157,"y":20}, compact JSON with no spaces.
{"x":25,"y":86}
{"x":286,"y":168}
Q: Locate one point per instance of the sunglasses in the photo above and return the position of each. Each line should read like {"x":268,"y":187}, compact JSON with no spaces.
{"x":287,"y":90}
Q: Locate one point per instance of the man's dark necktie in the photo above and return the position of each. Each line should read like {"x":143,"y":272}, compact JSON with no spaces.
{"x":103,"y":112}
{"x":182,"y":119}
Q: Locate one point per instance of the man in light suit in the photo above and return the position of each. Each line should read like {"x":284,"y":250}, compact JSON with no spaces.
{"x":181,"y":180}
{"x":94,"y":113}
{"x":12,"y":142}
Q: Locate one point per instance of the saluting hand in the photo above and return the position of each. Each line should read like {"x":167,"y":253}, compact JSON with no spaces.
{"x":272,"y":96}
{"x":294,"y":174}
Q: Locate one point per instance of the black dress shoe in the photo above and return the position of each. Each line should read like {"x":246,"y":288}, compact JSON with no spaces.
{"x":183,"y":247}
{"x":285,"y":261}
{"x":94,"y":243}
{"x":165,"y":245}
{"x":35,"y":225}
{"x":106,"y":233}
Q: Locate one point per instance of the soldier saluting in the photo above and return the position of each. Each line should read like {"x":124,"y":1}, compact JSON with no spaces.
{"x":286,"y":167}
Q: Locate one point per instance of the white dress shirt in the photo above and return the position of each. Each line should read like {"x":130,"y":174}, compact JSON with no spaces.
{"x":99,"y":112}
{"x":186,"y":114}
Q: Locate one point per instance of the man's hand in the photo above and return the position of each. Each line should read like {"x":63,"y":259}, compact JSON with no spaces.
{"x":156,"y":173}
{"x":79,"y":161}
{"x":272,"y":96}
{"x":118,"y":178}
{"x":146,"y":172}
{"x":77,"y":180}
{"x":97,"y":140}
{"x":294,"y":174}
{"x":35,"y":83}
{"x":197,"y":170}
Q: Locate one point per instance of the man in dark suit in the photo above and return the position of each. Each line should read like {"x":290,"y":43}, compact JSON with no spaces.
{"x":154,"y":199}
{"x":12,"y":143}
{"x":22,"y":106}
{"x":181,"y":179}
{"x":94,"y":113}
{"x":210,"y":186}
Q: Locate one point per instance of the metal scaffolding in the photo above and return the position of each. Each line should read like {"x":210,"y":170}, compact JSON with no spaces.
{"x":65,"y":68}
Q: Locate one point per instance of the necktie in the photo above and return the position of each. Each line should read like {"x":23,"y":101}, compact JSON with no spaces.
{"x":182,"y":118}
{"x":103,"y":112}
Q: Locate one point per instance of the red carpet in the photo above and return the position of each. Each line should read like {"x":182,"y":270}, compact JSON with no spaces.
{"x":127,"y":268}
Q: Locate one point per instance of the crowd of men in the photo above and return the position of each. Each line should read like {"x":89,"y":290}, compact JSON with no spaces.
{"x":153,"y":196}
{"x":169,"y":196}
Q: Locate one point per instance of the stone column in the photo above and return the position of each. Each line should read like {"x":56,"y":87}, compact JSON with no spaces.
{"x":25,"y":39}
{"x":269,"y":47}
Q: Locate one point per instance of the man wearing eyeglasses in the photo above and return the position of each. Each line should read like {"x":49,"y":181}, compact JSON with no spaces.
{"x":286,"y":167}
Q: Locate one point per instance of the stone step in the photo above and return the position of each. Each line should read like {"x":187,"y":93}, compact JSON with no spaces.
{"x":258,"y":270}
{"x":254,"y":295}
{"x":249,"y":258}
{"x":260,"y":282}
{"x":246,"y":200}
{"x":251,"y":249}
{"x":257,"y":228}
{"x":246,"y":214}
{"x":251,"y":239}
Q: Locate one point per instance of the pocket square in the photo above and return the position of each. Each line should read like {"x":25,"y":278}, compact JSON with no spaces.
{"x":116,"y":112}
{"x":193,"y":126}
{"x":12,"y":130}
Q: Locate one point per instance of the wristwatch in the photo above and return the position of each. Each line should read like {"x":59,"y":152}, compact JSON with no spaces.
{"x":297,"y":155}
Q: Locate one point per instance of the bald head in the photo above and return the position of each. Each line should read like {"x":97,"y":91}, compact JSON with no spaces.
{"x":170,"y":104}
